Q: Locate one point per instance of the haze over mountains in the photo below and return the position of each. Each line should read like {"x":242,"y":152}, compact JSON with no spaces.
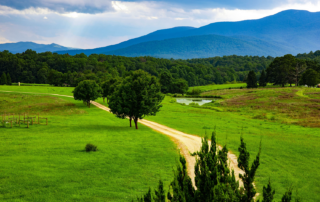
{"x":291,"y":31}
{"x":23,"y":46}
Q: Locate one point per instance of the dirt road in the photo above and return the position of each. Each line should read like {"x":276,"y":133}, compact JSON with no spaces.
{"x":186,"y":143}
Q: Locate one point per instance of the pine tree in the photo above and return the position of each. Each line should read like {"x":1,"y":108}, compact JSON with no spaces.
{"x":9,"y":82}
{"x":248,"y":177}
{"x":160,"y":195}
{"x":3,"y":79}
{"x":252,"y":80}
{"x":287,"y":195}
{"x":263,"y":79}
{"x":268,"y":193}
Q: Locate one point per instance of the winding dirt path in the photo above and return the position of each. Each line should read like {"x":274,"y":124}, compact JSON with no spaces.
{"x":187,"y":143}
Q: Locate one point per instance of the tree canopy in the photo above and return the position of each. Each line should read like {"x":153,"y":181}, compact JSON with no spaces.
{"x":86,"y":91}
{"x":138,"y":95}
{"x":252,"y":80}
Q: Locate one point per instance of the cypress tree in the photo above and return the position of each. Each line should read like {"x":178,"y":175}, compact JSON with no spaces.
{"x":249,"y":175}
{"x":287,"y":195}
{"x":9,"y":82}
{"x":160,"y":195}
{"x":252,"y":80}
{"x":268,"y":193}
{"x":3,"y":79}
{"x":263,"y":79}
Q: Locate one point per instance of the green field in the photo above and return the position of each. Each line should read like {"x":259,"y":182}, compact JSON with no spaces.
{"x":49,"y":163}
{"x":290,"y":150}
{"x":290,"y":153}
{"x":218,"y":87}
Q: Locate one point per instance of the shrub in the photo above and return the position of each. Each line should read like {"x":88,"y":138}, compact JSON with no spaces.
{"x":91,"y":147}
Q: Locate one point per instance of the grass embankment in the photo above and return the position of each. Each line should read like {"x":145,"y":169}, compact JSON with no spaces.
{"x":290,"y":153}
{"x":48,"y":163}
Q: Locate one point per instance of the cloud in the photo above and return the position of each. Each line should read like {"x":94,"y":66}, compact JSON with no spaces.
{"x":121,"y":21}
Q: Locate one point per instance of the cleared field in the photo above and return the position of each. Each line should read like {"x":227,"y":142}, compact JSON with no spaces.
{"x":48,"y":163}
{"x":290,"y":153}
{"x":218,"y":87}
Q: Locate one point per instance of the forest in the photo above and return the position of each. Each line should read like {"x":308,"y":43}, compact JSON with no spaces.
{"x":66,"y":70}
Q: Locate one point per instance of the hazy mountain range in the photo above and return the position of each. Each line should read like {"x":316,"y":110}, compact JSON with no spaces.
{"x":23,"y":46}
{"x":291,"y":31}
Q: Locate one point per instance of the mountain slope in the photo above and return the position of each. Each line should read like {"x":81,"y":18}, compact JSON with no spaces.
{"x":201,"y":47}
{"x":296,"y":30}
{"x":23,"y":46}
{"x":157,"y":35}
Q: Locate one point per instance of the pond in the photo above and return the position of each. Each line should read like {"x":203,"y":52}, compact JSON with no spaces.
{"x":200,"y":101}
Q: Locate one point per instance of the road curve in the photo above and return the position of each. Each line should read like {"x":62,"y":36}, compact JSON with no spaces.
{"x":187,"y":143}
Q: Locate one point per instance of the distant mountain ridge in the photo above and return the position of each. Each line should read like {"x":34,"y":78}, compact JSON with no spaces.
{"x":290,"y":31}
{"x":21,"y":47}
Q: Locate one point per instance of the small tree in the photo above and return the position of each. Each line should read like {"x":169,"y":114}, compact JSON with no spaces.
{"x":165,"y":81}
{"x":249,"y":175}
{"x":9,"y":82}
{"x":310,"y":77}
{"x":3,"y":79}
{"x":138,"y":95}
{"x":268,"y":193}
{"x":263,"y":79}
{"x":252,"y":80}
{"x":87,"y":90}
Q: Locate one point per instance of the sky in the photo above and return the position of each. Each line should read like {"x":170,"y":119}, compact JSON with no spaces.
{"x":98,"y":23}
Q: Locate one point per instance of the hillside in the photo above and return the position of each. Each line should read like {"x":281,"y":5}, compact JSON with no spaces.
{"x":202,"y":47}
{"x":20,"y":47}
{"x":295,"y":31}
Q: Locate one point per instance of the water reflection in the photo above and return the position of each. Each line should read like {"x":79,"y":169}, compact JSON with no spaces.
{"x":200,"y":101}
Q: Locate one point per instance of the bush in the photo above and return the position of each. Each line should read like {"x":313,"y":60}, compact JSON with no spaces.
{"x":91,"y":147}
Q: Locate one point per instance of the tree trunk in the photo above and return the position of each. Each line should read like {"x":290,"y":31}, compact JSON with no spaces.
{"x":89,"y":103}
{"x":107,"y":101}
{"x":136,"y":122}
{"x":103,"y":99}
{"x":130,"y":119}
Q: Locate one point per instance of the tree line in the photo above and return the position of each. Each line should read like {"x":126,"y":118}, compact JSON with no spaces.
{"x":60,"y":70}
{"x":304,"y":69}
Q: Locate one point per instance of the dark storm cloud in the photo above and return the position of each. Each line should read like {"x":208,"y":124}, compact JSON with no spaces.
{"x":62,"y":6}
{"x":97,"y":6}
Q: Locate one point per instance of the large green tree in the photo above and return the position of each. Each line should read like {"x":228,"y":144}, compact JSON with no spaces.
{"x":252,"y":80}
{"x":109,"y":86}
{"x":86,"y":91}
{"x":138,"y":95}
{"x":3,"y":80}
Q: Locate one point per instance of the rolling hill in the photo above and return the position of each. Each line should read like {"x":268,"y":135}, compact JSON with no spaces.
{"x":20,"y":47}
{"x":201,"y":47}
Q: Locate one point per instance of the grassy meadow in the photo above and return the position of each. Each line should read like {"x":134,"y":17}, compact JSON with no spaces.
{"x":285,"y":119}
{"x":49,"y":163}
{"x":290,"y":149}
{"x":218,"y":87}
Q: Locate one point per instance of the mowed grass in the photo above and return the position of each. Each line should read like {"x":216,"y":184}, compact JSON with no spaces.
{"x":48,"y":163}
{"x":290,"y":153}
